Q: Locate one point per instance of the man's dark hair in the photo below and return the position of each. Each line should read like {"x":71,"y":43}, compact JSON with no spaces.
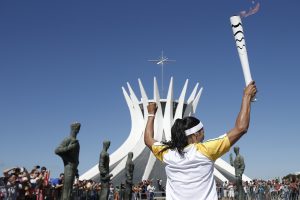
{"x":178,"y":138}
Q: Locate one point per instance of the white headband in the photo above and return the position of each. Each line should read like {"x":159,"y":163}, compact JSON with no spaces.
{"x":194,"y":129}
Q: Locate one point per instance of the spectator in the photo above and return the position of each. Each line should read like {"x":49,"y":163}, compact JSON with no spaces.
{"x":219,"y":190}
{"x":150,"y":190}
{"x":246,"y":190}
{"x":12,"y":183}
{"x":117,"y":193}
{"x":136,"y":192}
{"x":57,"y":185}
{"x":2,"y":188}
{"x":42,"y":184}
{"x":294,"y":189}
{"x":160,"y":187}
{"x":230,"y":191}
{"x":225,"y":190}
{"x":261,"y":191}
{"x":111,"y":192}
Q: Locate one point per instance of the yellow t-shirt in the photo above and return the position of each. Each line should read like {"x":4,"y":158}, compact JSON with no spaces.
{"x":191,"y":176}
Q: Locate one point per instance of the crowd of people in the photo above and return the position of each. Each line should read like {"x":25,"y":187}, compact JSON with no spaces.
{"x":90,"y":189}
{"x":36,"y":184}
{"x":20,"y":183}
{"x":287,"y":189}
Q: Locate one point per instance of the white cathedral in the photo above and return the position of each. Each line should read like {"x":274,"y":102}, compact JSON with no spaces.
{"x":169,"y":109}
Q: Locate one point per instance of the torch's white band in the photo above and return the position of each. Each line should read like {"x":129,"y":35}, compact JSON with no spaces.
{"x":194,"y":129}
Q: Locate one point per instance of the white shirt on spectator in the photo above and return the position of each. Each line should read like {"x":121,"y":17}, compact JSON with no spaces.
{"x":150,"y":188}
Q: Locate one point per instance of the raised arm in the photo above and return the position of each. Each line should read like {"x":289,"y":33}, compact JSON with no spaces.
{"x":243,"y":118}
{"x":6,"y":171}
{"x":149,"y":130}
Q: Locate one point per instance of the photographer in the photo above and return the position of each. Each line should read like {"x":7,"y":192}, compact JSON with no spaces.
{"x":24,"y":187}
{"x":12,"y":183}
{"x":42,"y":188}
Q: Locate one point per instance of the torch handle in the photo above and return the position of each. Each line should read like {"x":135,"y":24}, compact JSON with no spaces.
{"x":238,"y":32}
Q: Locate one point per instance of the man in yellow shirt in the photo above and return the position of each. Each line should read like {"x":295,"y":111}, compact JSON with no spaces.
{"x":189,"y":162}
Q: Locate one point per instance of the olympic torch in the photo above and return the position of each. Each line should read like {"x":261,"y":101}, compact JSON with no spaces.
{"x":237,"y":28}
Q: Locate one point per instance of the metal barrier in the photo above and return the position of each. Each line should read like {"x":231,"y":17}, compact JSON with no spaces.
{"x":157,"y":195}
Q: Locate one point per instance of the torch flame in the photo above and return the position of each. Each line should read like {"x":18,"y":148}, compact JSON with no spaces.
{"x":251,"y":11}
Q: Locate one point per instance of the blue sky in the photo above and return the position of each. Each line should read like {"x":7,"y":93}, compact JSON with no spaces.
{"x":65,"y":61}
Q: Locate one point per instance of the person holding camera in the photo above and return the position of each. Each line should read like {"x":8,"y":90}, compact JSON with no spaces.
{"x":12,"y":182}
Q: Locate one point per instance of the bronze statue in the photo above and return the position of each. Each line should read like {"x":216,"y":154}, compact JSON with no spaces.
{"x":68,"y":150}
{"x":239,"y":166}
{"x":129,"y":176}
{"x":104,"y":171}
